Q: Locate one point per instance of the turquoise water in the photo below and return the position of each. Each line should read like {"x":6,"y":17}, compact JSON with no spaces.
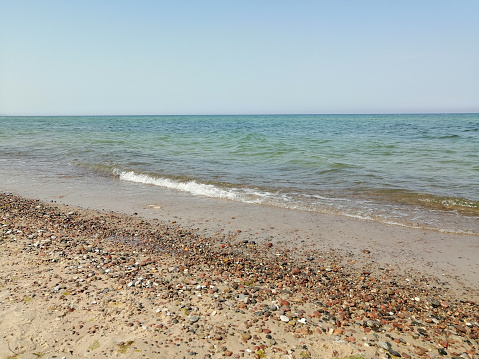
{"x":403,"y":169}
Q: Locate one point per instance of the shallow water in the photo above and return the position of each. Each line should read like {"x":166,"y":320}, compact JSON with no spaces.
{"x":411,"y":170}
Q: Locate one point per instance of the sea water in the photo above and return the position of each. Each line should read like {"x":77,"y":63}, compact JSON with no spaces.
{"x":417,"y":170}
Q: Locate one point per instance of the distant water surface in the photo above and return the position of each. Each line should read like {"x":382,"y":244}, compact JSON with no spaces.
{"x":411,"y":170}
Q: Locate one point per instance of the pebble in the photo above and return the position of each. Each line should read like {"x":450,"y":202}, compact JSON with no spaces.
{"x":273,"y":307}
{"x":384,"y":345}
{"x":245,"y":336}
{"x":394,"y":353}
{"x":193,"y":318}
{"x":442,"y":351}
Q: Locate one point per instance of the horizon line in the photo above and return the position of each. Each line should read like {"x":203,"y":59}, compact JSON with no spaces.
{"x":253,"y":114}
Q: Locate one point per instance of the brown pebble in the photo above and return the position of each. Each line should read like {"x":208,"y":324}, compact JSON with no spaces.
{"x":460,"y":328}
{"x":245,"y":336}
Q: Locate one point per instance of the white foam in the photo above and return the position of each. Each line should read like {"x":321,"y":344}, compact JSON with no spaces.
{"x":192,"y":187}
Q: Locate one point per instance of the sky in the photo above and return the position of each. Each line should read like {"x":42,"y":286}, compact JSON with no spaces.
{"x":158,"y":57}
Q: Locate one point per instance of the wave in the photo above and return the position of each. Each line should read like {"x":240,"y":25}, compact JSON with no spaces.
{"x":219,"y":190}
{"x":191,"y":186}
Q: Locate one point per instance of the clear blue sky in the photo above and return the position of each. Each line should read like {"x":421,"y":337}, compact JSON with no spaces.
{"x":226,"y":57}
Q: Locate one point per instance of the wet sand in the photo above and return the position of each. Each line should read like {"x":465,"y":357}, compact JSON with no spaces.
{"x":194,"y":277}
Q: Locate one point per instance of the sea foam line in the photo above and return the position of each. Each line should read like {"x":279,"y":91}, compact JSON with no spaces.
{"x":247,"y":195}
{"x":192,"y":187}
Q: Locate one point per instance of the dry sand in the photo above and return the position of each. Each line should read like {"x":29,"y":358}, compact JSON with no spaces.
{"x":219,"y":279}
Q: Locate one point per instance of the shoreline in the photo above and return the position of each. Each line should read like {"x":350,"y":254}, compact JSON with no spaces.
{"x":238,"y":281}
{"x":449,"y":255}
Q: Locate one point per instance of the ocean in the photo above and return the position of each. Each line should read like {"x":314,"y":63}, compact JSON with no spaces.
{"x":414,"y":170}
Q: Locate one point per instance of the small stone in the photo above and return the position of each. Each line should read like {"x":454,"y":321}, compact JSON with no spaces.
{"x":273,"y":307}
{"x":316,"y":314}
{"x":305,"y":354}
{"x":284,"y":318}
{"x":245,"y":336}
{"x":373,"y":324}
{"x":394,"y":353}
{"x":420,"y":350}
{"x":460,"y":328}
{"x":442,"y":351}
{"x":384,"y":345}
{"x":193,"y":318}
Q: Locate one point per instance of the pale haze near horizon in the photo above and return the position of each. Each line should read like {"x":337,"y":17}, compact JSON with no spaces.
{"x":248,"y":57}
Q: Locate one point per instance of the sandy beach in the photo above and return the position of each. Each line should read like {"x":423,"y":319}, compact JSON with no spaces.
{"x":229,"y":281}
{"x":239,"y":179}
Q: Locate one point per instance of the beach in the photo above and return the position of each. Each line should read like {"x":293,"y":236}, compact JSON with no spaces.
{"x":247,"y":179}
{"x":188,"y":279}
{"x":296,"y":236}
{"x":239,"y":180}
